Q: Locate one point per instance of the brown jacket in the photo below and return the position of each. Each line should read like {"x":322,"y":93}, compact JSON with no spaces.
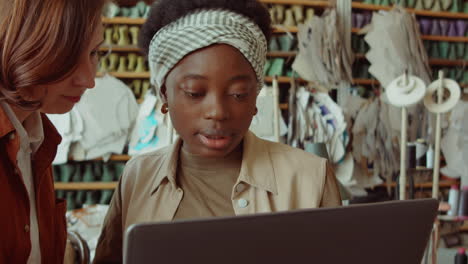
{"x":15,"y":243}
{"x":274,"y":177}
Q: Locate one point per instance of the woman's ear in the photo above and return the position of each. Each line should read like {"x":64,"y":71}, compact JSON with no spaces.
{"x":163,"y":93}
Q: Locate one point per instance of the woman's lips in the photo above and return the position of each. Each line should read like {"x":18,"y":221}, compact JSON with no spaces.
{"x":73,"y":99}
{"x":215,"y":141}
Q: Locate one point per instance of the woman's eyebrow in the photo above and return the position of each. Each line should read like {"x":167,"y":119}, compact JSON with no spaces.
{"x":194,"y":76}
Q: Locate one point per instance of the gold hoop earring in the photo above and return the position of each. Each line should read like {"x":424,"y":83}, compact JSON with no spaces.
{"x":164,"y":109}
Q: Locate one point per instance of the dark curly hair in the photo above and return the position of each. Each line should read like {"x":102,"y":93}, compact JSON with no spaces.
{"x":164,"y":12}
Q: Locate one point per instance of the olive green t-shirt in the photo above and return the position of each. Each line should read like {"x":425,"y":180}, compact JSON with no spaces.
{"x":207,"y":184}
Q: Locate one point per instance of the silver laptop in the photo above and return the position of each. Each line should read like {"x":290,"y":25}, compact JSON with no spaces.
{"x":393,"y":232}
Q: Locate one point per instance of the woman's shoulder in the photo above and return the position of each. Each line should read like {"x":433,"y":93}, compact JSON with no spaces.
{"x":282,"y":151}
{"x":149,"y":161}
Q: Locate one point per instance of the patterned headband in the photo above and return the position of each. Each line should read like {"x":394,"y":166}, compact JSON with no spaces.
{"x":201,"y":29}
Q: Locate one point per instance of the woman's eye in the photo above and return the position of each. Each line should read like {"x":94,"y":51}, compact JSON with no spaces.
{"x":239,"y":96}
{"x":193,"y":95}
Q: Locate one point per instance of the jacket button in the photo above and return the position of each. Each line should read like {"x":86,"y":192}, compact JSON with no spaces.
{"x":26,"y":228}
{"x":240,"y":187}
{"x":242,"y":203}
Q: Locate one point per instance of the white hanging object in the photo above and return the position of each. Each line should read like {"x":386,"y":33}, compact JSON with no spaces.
{"x":403,"y":92}
{"x":438,"y":108}
{"x":276,"y":113}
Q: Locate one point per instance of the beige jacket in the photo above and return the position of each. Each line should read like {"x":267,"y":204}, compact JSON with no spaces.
{"x":273,"y":177}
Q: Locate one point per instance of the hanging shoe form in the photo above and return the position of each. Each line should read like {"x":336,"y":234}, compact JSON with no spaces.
{"x":309,"y":14}
{"x":137,"y":87}
{"x":122,"y":64}
{"x":276,"y":68}
{"x":367,"y":18}
{"x":461,"y":26}
{"x":71,"y":205}
{"x":132,"y":59}
{"x":456,"y":6}
{"x":452,"y":52}
{"x":286,"y":42}
{"x":147,"y":11}
{"x":360,"y":19}
{"x":446,"y":4}
{"x":125,"y":11}
{"x":113,"y":60}
{"x":115,"y":34}
{"x":267,"y":67}
{"x":428,"y":4}
{"x":134,"y":31}
{"x":144,"y":89}
{"x":435,"y":49}
{"x":410,"y":3}
{"x":141,"y":7}
{"x":427,"y":46}
{"x":444,"y":47}
{"x":298,"y":14}
{"x":106,"y":177}
{"x":289,"y":19}
{"x":65,"y":173}
{"x":111,"y":10}
{"x":140,"y":64}
{"x":104,"y":64}
{"x":460,"y":49}
{"x":108,"y":36}
{"x":88,"y":176}
{"x":123,"y":32}
{"x":385,"y":2}
{"x":272,"y":11}
{"x":419,"y":5}
{"x":437,"y":6}
{"x":425,"y":26}
{"x":279,"y":14}
{"x":134,"y":12}
{"x":435,"y":29}
{"x":273,"y":45}
{"x":78,"y":177}
{"x":444,"y":27}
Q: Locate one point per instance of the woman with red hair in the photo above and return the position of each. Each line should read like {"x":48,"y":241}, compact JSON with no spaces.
{"x":48,"y":58}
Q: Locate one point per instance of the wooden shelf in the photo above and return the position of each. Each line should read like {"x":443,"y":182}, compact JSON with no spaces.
{"x":127,"y":75}
{"x":365,"y":82}
{"x":268,"y":79}
{"x":444,"y":38}
{"x":91,"y":186}
{"x":441,"y":62}
{"x":442,"y":184}
{"x":113,"y":48}
{"x":282,"y":79}
{"x":311,"y":3}
{"x":358,"y":5}
{"x":112,"y":158}
{"x":429,"y":37}
{"x":281,"y":29}
{"x":284,"y":54}
{"x":123,"y":20}
{"x":445,"y":62}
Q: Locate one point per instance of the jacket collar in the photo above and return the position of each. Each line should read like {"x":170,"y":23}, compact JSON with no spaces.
{"x":6,"y":126}
{"x":256,"y":169}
